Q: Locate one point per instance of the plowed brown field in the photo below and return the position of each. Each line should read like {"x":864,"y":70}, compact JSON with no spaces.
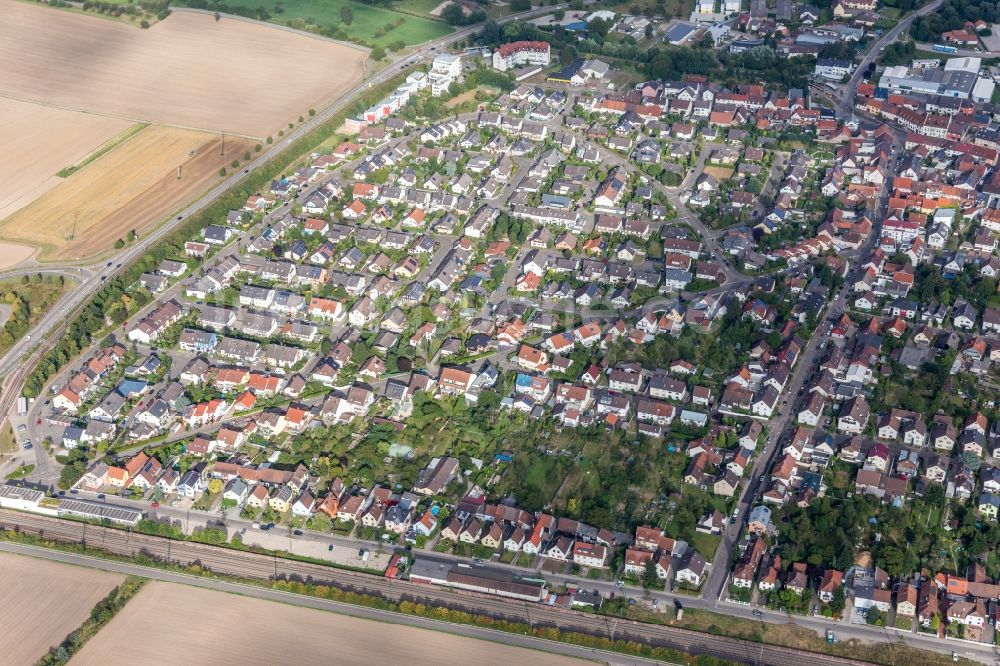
{"x":219,"y":629}
{"x":41,"y":602}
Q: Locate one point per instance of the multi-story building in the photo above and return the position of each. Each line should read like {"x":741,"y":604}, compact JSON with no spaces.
{"x":445,"y":70}
{"x":516,"y":54}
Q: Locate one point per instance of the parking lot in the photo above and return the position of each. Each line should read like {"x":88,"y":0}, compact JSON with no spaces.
{"x":280,"y":538}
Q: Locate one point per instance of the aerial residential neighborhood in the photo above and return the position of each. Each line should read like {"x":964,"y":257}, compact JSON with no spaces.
{"x":602,"y":312}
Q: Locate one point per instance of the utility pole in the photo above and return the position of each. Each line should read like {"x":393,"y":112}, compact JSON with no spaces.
{"x":223,"y":151}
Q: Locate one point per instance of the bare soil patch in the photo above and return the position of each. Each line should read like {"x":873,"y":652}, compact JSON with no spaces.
{"x":721,"y":173}
{"x":163,"y":616}
{"x":41,"y":602}
{"x":87,"y":212}
{"x":188,"y":70}
{"x":38,"y":141}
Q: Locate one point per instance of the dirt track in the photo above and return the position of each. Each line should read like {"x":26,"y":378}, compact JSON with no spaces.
{"x":188,"y":70}
{"x":166,"y":621}
{"x":41,"y":602}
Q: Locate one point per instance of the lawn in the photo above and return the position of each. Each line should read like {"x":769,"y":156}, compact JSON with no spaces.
{"x":371,"y":25}
{"x":21,"y":472}
{"x":421,"y":7}
{"x":706,"y":544}
{"x":7,"y":442}
{"x":904,"y":623}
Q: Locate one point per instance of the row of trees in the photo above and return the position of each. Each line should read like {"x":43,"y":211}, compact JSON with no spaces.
{"x":102,"y":613}
{"x":952,"y":15}
{"x":34,"y":294}
{"x":455,"y":14}
{"x":899,"y":53}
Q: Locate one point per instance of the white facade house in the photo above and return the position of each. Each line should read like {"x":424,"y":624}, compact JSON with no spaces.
{"x":830,"y":68}
{"x":517,"y":54}
{"x":445,"y":69}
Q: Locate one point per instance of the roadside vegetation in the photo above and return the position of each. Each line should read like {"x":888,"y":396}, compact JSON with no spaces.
{"x":8,"y":444}
{"x":29,"y":297}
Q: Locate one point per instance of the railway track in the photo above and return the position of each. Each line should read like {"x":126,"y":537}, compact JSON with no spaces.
{"x":260,"y":566}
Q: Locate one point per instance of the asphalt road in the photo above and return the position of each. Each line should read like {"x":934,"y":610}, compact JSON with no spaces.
{"x":846,"y":104}
{"x":784,"y":418}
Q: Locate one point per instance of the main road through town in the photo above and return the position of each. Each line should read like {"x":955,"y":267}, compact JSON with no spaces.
{"x":846,"y":103}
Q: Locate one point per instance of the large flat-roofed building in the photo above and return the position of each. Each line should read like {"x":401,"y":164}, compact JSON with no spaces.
{"x":20,"y":497}
{"x":680,"y":33}
{"x":518,"y":54}
{"x":966,"y":64}
{"x":903,"y":79}
{"x":982,"y":92}
{"x":120,"y":515}
{"x":929,"y":81}
{"x":484,"y":579}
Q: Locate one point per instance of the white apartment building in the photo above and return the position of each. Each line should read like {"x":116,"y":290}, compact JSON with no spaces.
{"x":516,"y":54}
{"x":445,"y":69}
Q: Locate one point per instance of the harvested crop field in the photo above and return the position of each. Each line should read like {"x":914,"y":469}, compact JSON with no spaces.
{"x":12,"y":254}
{"x":41,"y":602}
{"x":188,"y":70}
{"x":87,"y":212}
{"x":163,"y":616}
{"x":38,"y":141}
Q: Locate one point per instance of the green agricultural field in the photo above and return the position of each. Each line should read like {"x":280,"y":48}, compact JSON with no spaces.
{"x":371,"y":26}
